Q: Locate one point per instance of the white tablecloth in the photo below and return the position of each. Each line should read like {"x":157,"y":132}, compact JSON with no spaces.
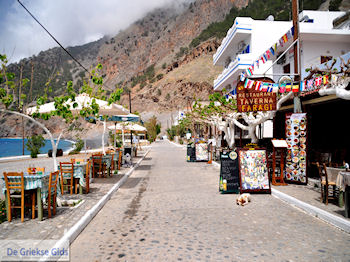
{"x":343,"y":180}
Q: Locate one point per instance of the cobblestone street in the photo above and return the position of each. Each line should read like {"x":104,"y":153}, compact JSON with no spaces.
{"x":171,"y":210}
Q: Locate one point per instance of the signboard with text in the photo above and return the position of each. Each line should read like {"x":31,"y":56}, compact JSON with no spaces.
{"x":251,"y":100}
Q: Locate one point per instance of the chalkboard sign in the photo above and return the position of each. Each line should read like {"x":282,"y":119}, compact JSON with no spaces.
{"x":229,"y":173}
{"x":191,"y":153}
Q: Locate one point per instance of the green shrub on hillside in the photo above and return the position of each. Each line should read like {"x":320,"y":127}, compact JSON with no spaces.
{"x":258,"y":9}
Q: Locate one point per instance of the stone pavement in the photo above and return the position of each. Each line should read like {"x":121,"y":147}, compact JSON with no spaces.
{"x":65,"y":217}
{"x":311,"y":195}
{"x":170,"y":209}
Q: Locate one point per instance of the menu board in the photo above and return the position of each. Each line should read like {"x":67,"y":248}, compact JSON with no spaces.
{"x":202,"y":152}
{"x":253,"y":171}
{"x":296,"y":148}
{"x":191,"y":153}
{"x":229,"y":172}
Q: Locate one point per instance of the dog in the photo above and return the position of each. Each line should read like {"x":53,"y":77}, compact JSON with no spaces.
{"x":243,"y":199}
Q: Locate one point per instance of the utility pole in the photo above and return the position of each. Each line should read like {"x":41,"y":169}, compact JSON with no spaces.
{"x":130,"y":113}
{"x":296,"y":48}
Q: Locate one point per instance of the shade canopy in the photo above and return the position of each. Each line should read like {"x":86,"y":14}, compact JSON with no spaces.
{"x":128,"y":126}
{"x":82,"y":100}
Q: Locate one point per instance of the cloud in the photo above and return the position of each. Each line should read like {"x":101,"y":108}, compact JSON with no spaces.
{"x":71,"y":22}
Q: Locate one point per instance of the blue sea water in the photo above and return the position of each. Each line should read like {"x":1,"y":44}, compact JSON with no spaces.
{"x":13,"y":146}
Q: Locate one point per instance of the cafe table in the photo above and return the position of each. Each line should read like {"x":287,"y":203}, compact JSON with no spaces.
{"x":344,"y":185}
{"x":79,"y":171}
{"x":107,"y":160}
{"x":40,"y":182}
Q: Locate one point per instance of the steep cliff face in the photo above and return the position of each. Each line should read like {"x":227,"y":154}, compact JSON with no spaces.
{"x":154,"y":40}
{"x":158,"y":37}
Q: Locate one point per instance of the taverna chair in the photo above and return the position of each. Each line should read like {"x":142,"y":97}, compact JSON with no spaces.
{"x":15,"y":190}
{"x":67,"y":170}
{"x":51,"y":201}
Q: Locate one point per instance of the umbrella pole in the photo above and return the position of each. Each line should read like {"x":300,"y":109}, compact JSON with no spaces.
{"x":115,"y":134}
{"x":103,"y":137}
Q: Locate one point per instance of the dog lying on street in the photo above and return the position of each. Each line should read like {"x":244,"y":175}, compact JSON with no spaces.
{"x":243,"y":199}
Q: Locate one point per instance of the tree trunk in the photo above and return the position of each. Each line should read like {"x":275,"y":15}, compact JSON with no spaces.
{"x":44,"y":128}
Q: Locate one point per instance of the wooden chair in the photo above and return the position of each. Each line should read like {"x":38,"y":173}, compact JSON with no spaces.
{"x":325,"y":184}
{"x":98,"y":168}
{"x":87,"y":176}
{"x":18,"y":187}
{"x":120,"y":159}
{"x":112,"y":168}
{"x":52,"y":193}
{"x":67,"y":169}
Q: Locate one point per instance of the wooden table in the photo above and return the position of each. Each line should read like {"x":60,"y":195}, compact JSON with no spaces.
{"x":40,"y":182}
{"x":78,"y":172}
{"x":344,"y":185}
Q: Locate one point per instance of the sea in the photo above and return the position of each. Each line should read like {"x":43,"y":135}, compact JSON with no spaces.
{"x":13,"y":146}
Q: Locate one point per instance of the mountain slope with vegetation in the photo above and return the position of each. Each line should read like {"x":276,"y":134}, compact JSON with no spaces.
{"x":163,"y":59}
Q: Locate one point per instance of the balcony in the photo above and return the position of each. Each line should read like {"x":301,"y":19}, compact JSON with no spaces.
{"x":239,"y":32}
{"x":231,"y":73}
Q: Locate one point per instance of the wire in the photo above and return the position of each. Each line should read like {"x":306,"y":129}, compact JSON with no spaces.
{"x":55,"y":39}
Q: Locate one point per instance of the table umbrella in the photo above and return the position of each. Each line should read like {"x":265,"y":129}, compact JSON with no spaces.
{"x":84,"y":100}
{"x":127,"y":126}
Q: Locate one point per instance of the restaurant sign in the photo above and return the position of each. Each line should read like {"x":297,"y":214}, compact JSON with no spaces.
{"x":251,"y":100}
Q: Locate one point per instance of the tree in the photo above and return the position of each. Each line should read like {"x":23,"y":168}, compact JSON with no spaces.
{"x":93,"y":87}
{"x":34,"y":144}
{"x":338,"y":71}
{"x":153,"y":128}
{"x":222,"y":113}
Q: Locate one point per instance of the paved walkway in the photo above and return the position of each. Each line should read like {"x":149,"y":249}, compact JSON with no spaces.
{"x":171,"y":210}
{"x":66,"y":217}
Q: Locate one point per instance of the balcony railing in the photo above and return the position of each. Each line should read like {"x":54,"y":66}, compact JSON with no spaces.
{"x":242,"y":61}
{"x":241,"y":25}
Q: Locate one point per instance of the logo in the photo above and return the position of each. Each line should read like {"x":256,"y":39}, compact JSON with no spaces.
{"x":233,"y":155}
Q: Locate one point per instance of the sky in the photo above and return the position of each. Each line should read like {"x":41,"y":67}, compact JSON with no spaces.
{"x":71,"y":22}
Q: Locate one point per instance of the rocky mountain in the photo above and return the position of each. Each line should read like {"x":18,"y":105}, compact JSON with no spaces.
{"x":145,"y":58}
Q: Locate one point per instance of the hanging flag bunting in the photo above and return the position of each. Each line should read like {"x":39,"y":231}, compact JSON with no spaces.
{"x":283,"y":88}
{"x":233,"y":92}
{"x":318,"y":81}
{"x":267,"y":54}
{"x":310,"y":83}
{"x":258,"y":85}
{"x":265,"y":87}
{"x":325,"y":79}
{"x":288,"y":87}
{"x":246,"y":83}
{"x":270,"y":88}
{"x":295,"y":88}
{"x":242,"y":76}
{"x":249,"y":71}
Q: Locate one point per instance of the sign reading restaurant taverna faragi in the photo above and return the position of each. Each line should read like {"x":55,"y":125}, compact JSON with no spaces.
{"x":252,"y":100}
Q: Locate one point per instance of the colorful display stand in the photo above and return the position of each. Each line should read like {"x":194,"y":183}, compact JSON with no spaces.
{"x":254,"y":176}
{"x":296,"y":135}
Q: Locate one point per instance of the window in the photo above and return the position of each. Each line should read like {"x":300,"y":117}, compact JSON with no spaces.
{"x":286,"y":69}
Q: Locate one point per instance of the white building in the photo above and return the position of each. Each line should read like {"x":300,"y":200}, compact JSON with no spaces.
{"x":323,"y":35}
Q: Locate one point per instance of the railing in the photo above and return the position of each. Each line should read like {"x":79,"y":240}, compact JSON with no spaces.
{"x":230,"y":34}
